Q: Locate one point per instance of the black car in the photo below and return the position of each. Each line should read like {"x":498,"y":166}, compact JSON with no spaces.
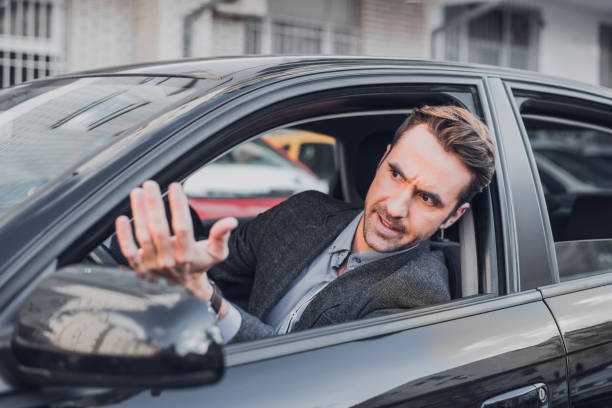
{"x":530,"y":323}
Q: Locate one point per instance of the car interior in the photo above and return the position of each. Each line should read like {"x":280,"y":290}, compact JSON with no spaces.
{"x":363,"y":125}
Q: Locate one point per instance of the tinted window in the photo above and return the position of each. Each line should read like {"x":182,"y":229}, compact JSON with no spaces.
{"x":574,"y":160}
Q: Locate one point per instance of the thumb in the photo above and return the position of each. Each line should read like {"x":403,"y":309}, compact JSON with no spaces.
{"x":219,"y":235}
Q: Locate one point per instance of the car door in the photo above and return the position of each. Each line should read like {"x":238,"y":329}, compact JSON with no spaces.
{"x":570,"y":133}
{"x":499,"y":345}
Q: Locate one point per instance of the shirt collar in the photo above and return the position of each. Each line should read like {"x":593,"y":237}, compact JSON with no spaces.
{"x":344,"y":240}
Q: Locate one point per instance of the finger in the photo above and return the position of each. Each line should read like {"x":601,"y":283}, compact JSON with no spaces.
{"x":158,"y":225}
{"x":127,"y":245}
{"x":181,"y":224}
{"x":219,"y":235}
{"x":137,"y":200}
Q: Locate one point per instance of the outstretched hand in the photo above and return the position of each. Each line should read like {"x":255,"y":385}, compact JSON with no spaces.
{"x":179,"y":257}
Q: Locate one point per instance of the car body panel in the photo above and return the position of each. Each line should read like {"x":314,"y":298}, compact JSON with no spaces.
{"x":584,"y":319}
{"x":433,"y":368}
{"x":431,"y":363}
{"x":526,"y":222}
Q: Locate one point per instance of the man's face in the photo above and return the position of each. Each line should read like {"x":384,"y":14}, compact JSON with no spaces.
{"x":414,"y":192}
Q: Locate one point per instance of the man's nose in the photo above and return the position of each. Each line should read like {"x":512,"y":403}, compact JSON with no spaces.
{"x":397,"y":205}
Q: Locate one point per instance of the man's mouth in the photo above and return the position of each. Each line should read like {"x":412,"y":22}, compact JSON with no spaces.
{"x":392,"y":228}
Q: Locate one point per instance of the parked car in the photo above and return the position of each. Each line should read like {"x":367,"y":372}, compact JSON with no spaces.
{"x":248,"y":180}
{"x":315,"y":150}
{"x":530,"y":321}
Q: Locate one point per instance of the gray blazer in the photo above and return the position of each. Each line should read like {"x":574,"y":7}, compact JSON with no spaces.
{"x":268,"y":253}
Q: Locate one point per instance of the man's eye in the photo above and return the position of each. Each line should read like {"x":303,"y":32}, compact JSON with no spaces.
{"x":427,"y":198}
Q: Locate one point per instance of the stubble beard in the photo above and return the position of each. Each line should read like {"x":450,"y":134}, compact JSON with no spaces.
{"x":389,"y":244}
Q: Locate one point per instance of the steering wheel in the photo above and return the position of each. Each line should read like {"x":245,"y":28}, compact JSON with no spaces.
{"x":101,"y":255}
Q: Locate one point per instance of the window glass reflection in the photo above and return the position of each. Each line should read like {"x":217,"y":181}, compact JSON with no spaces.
{"x":49,"y":127}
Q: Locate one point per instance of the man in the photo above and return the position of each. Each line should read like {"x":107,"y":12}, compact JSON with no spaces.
{"x":313,"y":261}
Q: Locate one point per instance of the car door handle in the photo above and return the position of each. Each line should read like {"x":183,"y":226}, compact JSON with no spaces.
{"x":535,"y":396}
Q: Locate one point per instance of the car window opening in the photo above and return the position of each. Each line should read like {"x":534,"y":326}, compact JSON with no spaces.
{"x":334,"y":155}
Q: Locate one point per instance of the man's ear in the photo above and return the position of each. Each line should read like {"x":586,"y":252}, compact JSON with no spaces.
{"x":384,"y":156}
{"x":455,"y":216}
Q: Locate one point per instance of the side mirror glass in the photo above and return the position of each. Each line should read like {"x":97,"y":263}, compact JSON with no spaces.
{"x":96,"y":326}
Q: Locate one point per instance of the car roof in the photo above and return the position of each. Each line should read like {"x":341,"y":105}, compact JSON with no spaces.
{"x":224,"y":67}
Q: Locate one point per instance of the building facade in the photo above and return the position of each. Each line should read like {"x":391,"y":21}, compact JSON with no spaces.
{"x":567,"y":38}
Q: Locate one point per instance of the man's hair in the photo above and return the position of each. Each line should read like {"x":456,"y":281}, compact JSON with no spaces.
{"x":461,"y":133}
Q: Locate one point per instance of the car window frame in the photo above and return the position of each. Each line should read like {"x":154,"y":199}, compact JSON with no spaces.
{"x":563,"y":91}
{"x":277,"y":346}
{"x":155,"y":163}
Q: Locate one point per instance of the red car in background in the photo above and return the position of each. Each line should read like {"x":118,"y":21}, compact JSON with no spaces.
{"x":248,"y":180}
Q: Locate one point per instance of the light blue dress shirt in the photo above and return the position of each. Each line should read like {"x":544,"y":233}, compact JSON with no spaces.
{"x":321,"y":271}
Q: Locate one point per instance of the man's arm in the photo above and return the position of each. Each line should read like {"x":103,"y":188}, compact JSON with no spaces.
{"x":179,"y":257}
{"x":251,"y":328}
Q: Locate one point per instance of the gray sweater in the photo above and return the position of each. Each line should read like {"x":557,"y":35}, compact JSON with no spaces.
{"x":268,"y":253}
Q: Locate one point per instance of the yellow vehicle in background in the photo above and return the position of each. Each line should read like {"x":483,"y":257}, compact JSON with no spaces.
{"x":315,"y":150}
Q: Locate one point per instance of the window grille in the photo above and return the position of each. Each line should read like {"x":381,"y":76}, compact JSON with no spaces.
{"x":345,"y":42}
{"x":289,"y":38}
{"x":30,"y":40}
{"x":489,"y":34}
{"x":605,"y":45}
{"x":253,"y":37}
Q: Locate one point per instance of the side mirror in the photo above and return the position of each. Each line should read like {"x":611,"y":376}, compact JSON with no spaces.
{"x":96,"y":326}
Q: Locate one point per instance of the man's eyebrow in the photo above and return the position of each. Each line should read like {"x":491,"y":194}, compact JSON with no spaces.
{"x":435,"y":197}
{"x":395,"y":168}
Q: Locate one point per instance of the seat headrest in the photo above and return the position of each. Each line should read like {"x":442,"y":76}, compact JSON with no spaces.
{"x":591,"y":217}
{"x":369,"y":153}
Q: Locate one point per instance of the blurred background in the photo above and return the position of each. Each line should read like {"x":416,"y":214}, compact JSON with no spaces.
{"x":566,"y":38}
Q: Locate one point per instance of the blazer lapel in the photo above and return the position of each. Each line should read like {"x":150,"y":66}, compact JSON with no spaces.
{"x":352,"y":291}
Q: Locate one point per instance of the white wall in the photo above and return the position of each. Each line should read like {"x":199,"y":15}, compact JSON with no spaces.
{"x":145,"y":30}
{"x":394,"y":28}
{"x":170,"y":22}
{"x":569,"y":44}
{"x":98,"y":33}
{"x":110,"y":32}
{"x":102,"y":33}
{"x":228,"y":36}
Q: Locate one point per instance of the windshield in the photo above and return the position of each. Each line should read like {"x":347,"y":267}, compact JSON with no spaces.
{"x":49,"y":127}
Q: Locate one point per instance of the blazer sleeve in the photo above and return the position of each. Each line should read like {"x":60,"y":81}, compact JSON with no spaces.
{"x":235,"y":278}
{"x":235,"y":275}
{"x":251,"y":328}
